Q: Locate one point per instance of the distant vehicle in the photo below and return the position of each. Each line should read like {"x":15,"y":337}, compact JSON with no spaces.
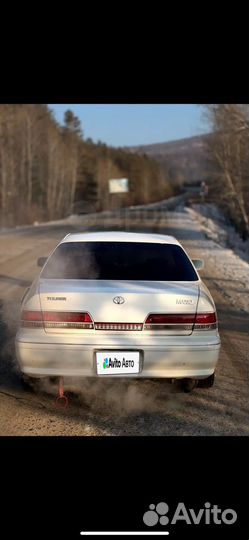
{"x":204,"y":190}
{"x":204,"y":187}
{"x":110,"y":304}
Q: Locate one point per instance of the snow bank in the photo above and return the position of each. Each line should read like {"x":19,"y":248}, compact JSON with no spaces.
{"x":216,"y":227}
{"x":226,"y":256}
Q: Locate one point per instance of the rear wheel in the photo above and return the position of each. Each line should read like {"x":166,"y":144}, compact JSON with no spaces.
{"x":208,"y":382}
{"x":30,"y":383}
{"x":188,"y":385}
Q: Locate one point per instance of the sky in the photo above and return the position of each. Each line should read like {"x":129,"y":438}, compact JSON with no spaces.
{"x":130,"y":125}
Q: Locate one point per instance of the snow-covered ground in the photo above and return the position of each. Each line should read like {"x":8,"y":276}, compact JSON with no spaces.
{"x":214,"y":224}
{"x":224,"y":251}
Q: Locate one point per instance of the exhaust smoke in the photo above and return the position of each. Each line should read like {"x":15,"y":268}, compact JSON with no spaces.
{"x":118,"y":397}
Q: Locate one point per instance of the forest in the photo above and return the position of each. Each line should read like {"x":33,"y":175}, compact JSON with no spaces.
{"x":227,"y":155}
{"x":49,"y":171}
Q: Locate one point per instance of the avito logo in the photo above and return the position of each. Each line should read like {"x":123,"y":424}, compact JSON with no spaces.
{"x":106,"y":363}
{"x":210,"y":514}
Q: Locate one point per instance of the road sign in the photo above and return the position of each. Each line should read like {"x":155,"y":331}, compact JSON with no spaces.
{"x":119,"y":185}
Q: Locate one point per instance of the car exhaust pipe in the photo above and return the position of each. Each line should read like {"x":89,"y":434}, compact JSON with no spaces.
{"x":61,"y":400}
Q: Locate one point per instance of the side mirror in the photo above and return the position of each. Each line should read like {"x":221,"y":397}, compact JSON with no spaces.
{"x":41,"y":261}
{"x":198,"y":263}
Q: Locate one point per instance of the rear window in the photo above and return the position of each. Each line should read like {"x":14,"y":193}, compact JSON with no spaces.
{"x":119,"y":261}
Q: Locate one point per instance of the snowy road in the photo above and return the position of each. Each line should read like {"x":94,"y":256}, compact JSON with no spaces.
{"x":130,"y":407}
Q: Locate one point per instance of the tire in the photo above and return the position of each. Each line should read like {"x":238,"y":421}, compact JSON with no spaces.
{"x":188,"y":385}
{"x":30,"y":383}
{"x":208,"y":382}
{"x":54,"y":380}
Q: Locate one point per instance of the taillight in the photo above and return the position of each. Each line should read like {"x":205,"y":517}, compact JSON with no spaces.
{"x":56,"y":319}
{"x":206,"y":321}
{"x":188,"y":321}
{"x":31,"y":319}
{"x":169,"y":322}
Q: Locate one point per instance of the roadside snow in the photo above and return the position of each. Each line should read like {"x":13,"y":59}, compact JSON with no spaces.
{"x":215,"y":226}
{"x":228,"y":267}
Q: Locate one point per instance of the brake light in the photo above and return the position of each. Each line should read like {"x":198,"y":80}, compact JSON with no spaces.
{"x":31,"y":319}
{"x":170,"y":319}
{"x":156,"y":321}
{"x":206,"y":321}
{"x":56,"y":319}
{"x":33,"y":316}
{"x":188,"y":321}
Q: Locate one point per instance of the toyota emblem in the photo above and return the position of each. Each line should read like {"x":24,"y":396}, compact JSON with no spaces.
{"x":118,"y":300}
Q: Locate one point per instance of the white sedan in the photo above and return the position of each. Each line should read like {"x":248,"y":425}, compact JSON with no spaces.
{"x":110,"y":304}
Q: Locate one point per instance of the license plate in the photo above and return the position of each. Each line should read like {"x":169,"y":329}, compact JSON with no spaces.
{"x":117,"y":362}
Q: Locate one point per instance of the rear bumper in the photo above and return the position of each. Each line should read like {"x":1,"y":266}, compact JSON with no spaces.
{"x":162,"y":360}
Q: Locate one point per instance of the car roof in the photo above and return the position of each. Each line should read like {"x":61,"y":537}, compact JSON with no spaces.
{"x":120,"y":236}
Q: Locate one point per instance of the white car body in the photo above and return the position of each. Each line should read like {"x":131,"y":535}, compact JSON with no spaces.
{"x":118,"y":330}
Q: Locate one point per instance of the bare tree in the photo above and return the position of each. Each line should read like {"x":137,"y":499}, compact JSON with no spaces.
{"x":229,"y":152}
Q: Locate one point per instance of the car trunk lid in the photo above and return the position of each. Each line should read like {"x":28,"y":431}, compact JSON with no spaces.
{"x":113,"y":305}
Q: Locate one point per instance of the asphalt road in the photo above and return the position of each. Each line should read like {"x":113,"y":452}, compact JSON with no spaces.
{"x":123,"y":407}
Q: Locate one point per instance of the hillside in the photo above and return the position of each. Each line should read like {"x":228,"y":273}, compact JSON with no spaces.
{"x":183,"y":161}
